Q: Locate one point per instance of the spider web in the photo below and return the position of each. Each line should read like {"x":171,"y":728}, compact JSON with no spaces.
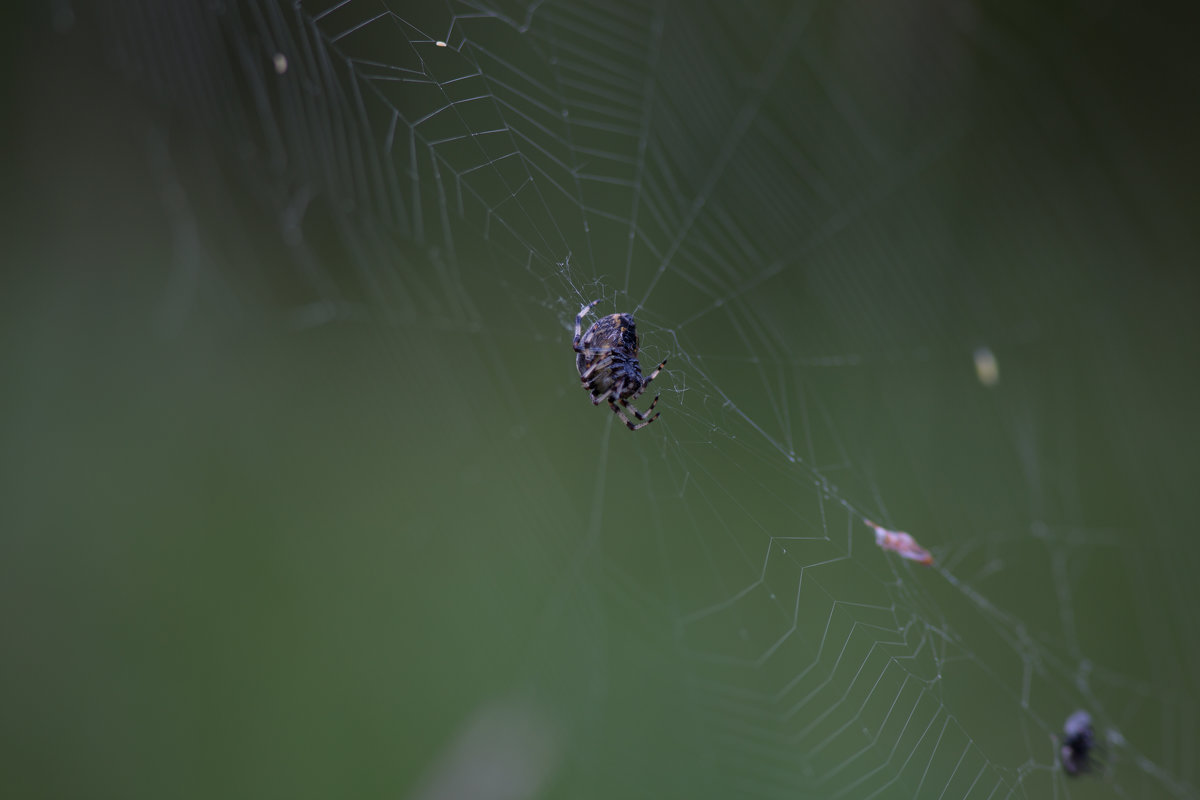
{"x":820,"y":213}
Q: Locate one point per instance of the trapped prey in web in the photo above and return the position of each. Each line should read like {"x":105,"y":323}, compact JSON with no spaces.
{"x":900,"y":542}
{"x":607,"y":359}
{"x":1079,"y":743}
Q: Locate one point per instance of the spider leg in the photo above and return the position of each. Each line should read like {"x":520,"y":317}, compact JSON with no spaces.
{"x":583,"y":312}
{"x":628,"y":422}
{"x":599,"y":365}
{"x":649,"y":408}
{"x":639,"y":414}
{"x":646,"y":382}
{"x":600,"y":398}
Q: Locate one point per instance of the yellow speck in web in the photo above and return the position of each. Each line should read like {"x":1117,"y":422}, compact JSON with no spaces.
{"x":986,"y":367}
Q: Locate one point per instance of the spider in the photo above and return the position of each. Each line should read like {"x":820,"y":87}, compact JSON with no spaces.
{"x":1078,"y":744}
{"x":606,"y":357}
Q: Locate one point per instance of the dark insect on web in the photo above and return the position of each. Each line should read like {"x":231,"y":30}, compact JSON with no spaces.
{"x":607,"y":359}
{"x":1078,"y":745}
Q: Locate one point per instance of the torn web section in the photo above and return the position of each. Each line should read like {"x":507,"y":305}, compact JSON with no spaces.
{"x":372,"y":144}
{"x":478,"y":146}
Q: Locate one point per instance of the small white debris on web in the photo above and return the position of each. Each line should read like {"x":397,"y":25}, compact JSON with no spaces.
{"x":281,"y":63}
{"x":900,"y":542}
{"x":440,"y":43}
{"x":986,"y":367}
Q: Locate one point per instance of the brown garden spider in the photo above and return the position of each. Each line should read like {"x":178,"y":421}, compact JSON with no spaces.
{"x":606,"y":357}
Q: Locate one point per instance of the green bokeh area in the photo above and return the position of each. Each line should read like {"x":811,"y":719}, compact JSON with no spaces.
{"x":299,"y":495}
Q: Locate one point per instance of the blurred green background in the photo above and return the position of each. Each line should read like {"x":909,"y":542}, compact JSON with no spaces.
{"x":300,"y":496}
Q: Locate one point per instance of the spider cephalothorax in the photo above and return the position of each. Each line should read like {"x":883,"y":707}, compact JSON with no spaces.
{"x":608,"y":365}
